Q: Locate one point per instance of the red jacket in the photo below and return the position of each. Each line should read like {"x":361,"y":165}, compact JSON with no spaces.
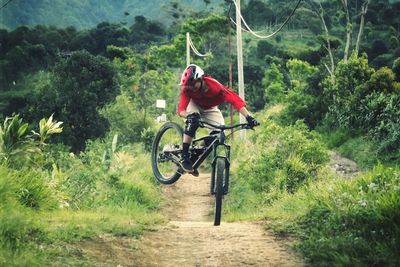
{"x":216,"y":95}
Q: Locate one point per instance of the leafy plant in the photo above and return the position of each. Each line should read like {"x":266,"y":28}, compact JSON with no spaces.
{"x":18,"y":146}
{"x":16,"y":143}
{"x":274,"y":85}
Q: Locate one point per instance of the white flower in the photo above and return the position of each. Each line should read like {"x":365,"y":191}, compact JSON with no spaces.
{"x":362,"y":203}
{"x":372,"y":186}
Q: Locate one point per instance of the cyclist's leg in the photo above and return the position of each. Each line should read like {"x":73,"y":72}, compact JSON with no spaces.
{"x":186,"y":164}
{"x":191,"y":108}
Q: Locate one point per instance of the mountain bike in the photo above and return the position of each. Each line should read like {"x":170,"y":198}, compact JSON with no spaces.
{"x":167,"y":151}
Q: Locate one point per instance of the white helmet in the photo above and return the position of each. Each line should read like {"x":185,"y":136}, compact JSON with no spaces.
{"x":191,"y":74}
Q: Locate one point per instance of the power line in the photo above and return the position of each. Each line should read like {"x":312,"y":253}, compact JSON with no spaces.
{"x":9,"y":1}
{"x":194,"y":48}
{"x":272,"y":34}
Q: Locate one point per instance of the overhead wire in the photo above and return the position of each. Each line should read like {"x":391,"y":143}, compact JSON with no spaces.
{"x":195,"y":49}
{"x":272,"y":34}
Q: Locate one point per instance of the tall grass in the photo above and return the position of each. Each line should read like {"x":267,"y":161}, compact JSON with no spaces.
{"x":345,"y":222}
{"x":281,"y":176}
{"x":45,"y":211}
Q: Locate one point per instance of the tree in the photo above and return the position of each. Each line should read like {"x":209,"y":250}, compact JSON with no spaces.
{"x":348,"y":28}
{"x":342,"y":95}
{"x":82,"y":84}
{"x":317,"y":9}
{"x":364,"y":10}
{"x":274,"y":85}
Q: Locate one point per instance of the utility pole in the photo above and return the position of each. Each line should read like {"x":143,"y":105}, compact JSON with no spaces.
{"x":187,"y":49}
{"x":230,"y":73}
{"x":240,"y":59}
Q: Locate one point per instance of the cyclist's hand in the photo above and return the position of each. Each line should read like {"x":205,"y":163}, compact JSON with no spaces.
{"x":251,"y":121}
{"x":193,"y":118}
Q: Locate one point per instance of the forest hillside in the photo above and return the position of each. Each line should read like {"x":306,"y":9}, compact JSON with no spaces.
{"x":78,"y":117}
{"x":87,"y":13}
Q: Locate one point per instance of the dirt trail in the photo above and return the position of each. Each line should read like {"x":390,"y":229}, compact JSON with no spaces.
{"x":190,"y":239}
{"x":342,"y":166}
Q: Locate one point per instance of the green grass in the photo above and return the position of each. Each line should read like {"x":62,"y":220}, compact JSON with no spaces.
{"x":344,"y":222}
{"x":359,"y":148}
{"x":46,"y":213}
{"x":337,"y":221}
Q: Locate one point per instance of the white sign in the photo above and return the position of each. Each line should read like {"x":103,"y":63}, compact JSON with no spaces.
{"x":160,"y":103}
{"x":162,"y":118}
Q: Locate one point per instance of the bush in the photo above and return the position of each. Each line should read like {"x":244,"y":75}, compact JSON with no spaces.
{"x":126,"y":120}
{"x":383,"y":60}
{"x":293,"y":160}
{"x":34,"y":191}
{"x":274,"y":85}
{"x":304,"y":100}
{"x":17,"y":228}
{"x":361,"y":150}
{"x":344,"y":222}
{"x":360,"y":222}
{"x":342,"y":101}
{"x":396,"y":68}
{"x":297,"y":173}
{"x":17,"y":223}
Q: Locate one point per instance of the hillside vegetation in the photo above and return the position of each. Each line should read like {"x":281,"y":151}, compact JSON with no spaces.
{"x":83,"y":14}
{"x":78,"y":116}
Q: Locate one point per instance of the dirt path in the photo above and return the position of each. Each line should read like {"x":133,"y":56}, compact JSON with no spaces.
{"x":342,"y":166}
{"x":190,"y":239}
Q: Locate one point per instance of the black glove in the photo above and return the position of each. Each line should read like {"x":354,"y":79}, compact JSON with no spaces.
{"x":251,"y":121}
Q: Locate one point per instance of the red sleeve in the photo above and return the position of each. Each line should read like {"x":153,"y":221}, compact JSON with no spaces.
{"x":183,"y":102}
{"x":233,"y":98}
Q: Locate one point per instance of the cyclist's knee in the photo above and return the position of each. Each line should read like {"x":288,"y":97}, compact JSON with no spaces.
{"x":192,"y":123}
{"x":190,"y":129}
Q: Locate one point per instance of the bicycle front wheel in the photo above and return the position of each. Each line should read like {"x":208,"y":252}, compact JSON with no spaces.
{"x":219,"y":190}
{"x":166,"y":152}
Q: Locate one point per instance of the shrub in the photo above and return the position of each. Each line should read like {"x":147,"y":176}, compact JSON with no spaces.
{"x":382,"y":61}
{"x":297,"y":173}
{"x":274,"y":85}
{"x":126,"y":120}
{"x":17,"y":224}
{"x":79,"y":184}
{"x":33,"y":190}
{"x":360,"y":222}
{"x":341,"y":94}
{"x":18,"y":146}
{"x":17,"y":228}
{"x":290,"y":158}
{"x":396,"y":68}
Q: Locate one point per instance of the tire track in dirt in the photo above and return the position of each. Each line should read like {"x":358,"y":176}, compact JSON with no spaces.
{"x":190,"y":238}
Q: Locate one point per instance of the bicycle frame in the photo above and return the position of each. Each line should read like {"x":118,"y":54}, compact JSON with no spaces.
{"x":217,"y":141}
{"x":214,"y":143}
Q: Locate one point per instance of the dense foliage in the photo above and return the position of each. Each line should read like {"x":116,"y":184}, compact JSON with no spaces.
{"x":86,"y":14}
{"x":312,"y":87}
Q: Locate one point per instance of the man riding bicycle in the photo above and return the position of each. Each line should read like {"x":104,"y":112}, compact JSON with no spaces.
{"x":199,"y":98}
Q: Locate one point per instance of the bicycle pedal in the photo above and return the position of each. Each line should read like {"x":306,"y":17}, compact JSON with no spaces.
{"x":195,"y":173}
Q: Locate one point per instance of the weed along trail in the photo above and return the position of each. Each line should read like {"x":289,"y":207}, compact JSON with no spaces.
{"x":190,"y":239}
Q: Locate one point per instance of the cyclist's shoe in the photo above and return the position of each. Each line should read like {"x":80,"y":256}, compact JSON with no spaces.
{"x":195,"y":173}
{"x":186,"y":164}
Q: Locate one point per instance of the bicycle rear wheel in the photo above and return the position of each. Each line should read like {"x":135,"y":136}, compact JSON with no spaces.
{"x":166,"y":152}
{"x":219,"y":190}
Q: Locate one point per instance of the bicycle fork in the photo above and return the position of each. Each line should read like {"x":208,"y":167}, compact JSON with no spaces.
{"x":226,"y":158}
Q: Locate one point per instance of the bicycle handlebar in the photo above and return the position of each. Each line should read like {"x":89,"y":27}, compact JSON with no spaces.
{"x":224,"y":127}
